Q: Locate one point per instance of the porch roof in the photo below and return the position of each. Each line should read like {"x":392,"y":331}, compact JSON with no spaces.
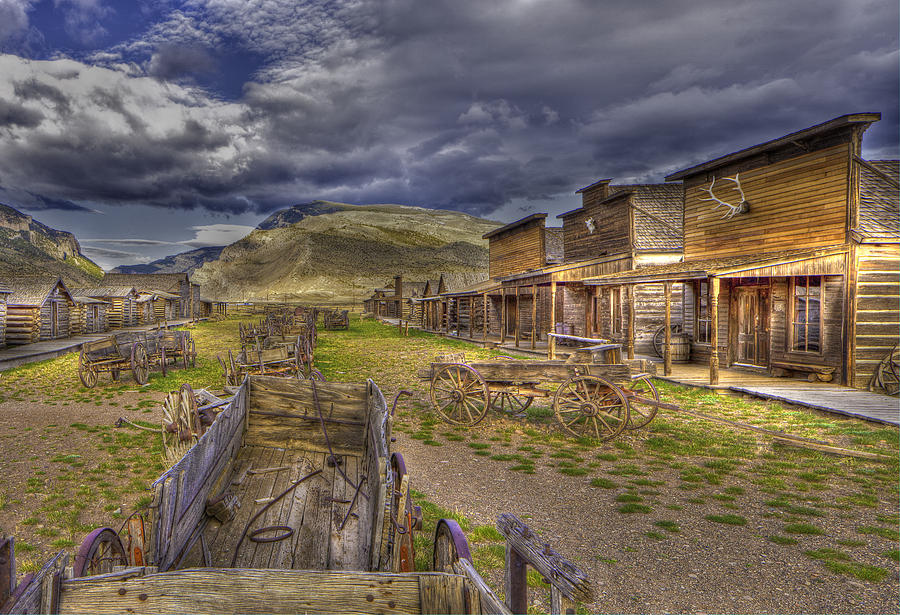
{"x":476,"y":289}
{"x":820,"y":261}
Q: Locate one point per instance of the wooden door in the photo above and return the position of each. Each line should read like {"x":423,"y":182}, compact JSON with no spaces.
{"x":512,"y":315}
{"x":752,"y":304}
{"x":54,"y":318}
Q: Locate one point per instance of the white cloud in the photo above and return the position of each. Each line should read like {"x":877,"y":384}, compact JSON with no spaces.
{"x":13,"y":17}
{"x":217,"y":234}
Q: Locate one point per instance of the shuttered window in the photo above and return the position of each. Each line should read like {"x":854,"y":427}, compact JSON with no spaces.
{"x":806,"y":313}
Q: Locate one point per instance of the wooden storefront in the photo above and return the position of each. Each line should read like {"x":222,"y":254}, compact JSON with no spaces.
{"x":38,"y":309}
{"x":791,"y":252}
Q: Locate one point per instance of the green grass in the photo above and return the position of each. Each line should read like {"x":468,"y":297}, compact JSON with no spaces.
{"x":669,"y":526}
{"x":841,"y":563}
{"x":603,"y":483}
{"x":634,"y":507}
{"x":783,"y":540}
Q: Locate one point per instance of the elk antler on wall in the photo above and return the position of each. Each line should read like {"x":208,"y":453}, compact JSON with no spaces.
{"x":733,"y":210}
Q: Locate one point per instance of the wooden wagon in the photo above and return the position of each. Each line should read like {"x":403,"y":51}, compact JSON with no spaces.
{"x":337,"y":319}
{"x":595,"y":400}
{"x":325,"y":525}
{"x":277,"y":361}
{"x":113,"y":355}
{"x":175,"y":347}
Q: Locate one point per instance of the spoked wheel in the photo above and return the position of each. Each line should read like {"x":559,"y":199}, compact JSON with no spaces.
{"x":639,"y":394}
{"x":87,"y":373}
{"x":588,"y":406}
{"x":659,"y":338}
{"x":510,"y":403}
{"x":140,"y":364}
{"x":162,"y":361}
{"x":192,"y":353}
{"x":889,"y":373}
{"x":459,"y":394}
{"x":404,"y":518}
{"x":98,"y":553}
{"x":450,"y":545}
{"x":181,"y":426}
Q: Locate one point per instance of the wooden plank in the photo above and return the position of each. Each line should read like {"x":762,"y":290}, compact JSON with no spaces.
{"x":258,"y":487}
{"x":313,"y":538}
{"x":446,"y":594}
{"x":344,"y":551}
{"x":256,"y":591}
{"x":490,"y":602}
{"x":292,"y":513}
{"x":30,"y":600}
{"x":272,"y":484}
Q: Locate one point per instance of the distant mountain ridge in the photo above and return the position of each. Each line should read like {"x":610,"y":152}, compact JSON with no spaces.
{"x":327,"y":252}
{"x":30,"y":247}
{"x":185,"y":262}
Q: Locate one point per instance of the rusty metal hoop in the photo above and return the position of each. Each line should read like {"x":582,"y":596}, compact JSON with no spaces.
{"x":99,"y":552}
{"x":140,"y":364}
{"x":459,"y":394}
{"x":590,"y":406}
{"x":87,"y":373}
{"x":450,"y":545}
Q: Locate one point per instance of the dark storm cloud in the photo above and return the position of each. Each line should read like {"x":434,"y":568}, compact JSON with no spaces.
{"x":466,"y":104}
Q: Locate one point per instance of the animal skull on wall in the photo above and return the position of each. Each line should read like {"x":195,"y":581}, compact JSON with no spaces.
{"x":741,"y":208}
{"x":590,"y":225}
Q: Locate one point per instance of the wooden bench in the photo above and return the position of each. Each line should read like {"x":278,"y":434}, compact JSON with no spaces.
{"x":822,"y":373}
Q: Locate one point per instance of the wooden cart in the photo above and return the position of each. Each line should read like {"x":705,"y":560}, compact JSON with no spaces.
{"x":337,"y":319}
{"x":276,"y":361}
{"x":594,"y":400}
{"x":113,"y":355}
{"x":324,"y":524}
{"x":176,"y":347}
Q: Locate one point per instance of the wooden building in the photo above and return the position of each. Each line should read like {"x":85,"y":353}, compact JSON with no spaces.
{"x":4,"y":295}
{"x":173,"y":283}
{"x":38,"y":309}
{"x":790,"y":256}
{"x":123,"y":310}
{"x":88,"y":315}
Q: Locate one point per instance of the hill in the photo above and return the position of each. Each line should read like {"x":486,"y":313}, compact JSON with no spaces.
{"x":30,"y":247}
{"x":326,"y":252}
{"x":186,"y":262}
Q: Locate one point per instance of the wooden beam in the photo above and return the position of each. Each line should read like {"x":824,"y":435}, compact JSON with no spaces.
{"x":629,"y":334}
{"x":533,"y":316}
{"x":518,"y":316}
{"x":484,"y":322}
{"x":471,"y":317}
{"x":714,"y":330}
{"x":667,"y":344}
{"x":502,"y":315}
{"x":551,"y":342}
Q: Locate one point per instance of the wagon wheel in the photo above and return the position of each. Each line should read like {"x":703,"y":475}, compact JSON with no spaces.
{"x":98,"y":553}
{"x":140,"y":364}
{"x":889,"y":373}
{"x":315,"y":374}
{"x":450,"y":545}
{"x":86,"y":372}
{"x":659,"y":338}
{"x":184,"y":351}
{"x":459,"y":394}
{"x":404,"y":542}
{"x":191,"y":353}
{"x":640,"y":413}
{"x":181,"y":425}
{"x":503,"y":401}
{"x":162,"y":360}
{"x":588,"y":406}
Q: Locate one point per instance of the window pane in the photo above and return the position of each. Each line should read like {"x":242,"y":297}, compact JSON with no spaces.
{"x":799,"y":337}
{"x":800,"y":309}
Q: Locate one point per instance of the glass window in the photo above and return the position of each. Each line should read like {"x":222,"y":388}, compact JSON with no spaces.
{"x":615,"y":310}
{"x":806,"y":317}
{"x":701,"y":312}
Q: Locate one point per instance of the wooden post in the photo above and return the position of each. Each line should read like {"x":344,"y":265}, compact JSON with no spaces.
{"x":518,"y":316}
{"x":551,"y":341}
{"x":629,"y":336}
{"x":502,"y":315}
{"x":667,"y":348}
{"x":484,"y":323}
{"x":714,"y":330}
{"x":471,"y":317}
{"x":533,"y":315}
{"x":515,"y":581}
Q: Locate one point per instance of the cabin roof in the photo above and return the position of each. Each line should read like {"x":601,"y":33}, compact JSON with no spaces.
{"x":414,"y":289}
{"x":32,"y":290}
{"x":812,"y":131}
{"x":104,"y":291}
{"x":658,"y":216}
{"x":86,"y":300}
{"x":599,"y":182}
{"x":879,"y":195}
{"x":153,"y":281}
{"x":706,"y":267}
{"x":4,"y":290}
{"x":475,"y":289}
{"x":512,"y":225}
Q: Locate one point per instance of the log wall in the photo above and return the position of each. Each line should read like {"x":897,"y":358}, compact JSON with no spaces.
{"x":795,"y":203}
{"x":519,"y":250}
{"x":62,"y":318}
{"x":22,"y":325}
{"x":2,"y":321}
{"x":612,"y":228}
{"x":77,"y":318}
{"x":877,"y":298}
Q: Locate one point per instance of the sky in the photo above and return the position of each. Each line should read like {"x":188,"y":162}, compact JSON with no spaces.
{"x":152,"y":127}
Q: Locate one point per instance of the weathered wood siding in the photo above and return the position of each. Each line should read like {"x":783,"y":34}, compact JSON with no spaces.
{"x":796,"y":203}
{"x":877,"y":300}
{"x":832,"y":307}
{"x":22,"y":324}
{"x":77,"y":317}
{"x":2,"y":321}
{"x":521,"y":249}
{"x":612,"y":230}
{"x":48,"y":329}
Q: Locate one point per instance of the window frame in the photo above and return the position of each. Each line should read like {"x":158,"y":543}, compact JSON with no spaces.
{"x":615,"y":311}
{"x":792,"y":315}
{"x":702,"y":316}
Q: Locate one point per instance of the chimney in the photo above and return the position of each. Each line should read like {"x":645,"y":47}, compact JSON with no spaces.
{"x":398,"y":285}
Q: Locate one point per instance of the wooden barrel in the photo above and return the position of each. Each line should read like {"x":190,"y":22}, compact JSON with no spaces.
{"x":681,"y":348}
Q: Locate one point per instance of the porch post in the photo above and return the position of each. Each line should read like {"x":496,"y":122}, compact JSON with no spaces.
{"x":518,"y":316}
{"x":714,"y":330}
{"x":629,"y":336}
{"x":471,"y":317}
{"x":667,"y":348}
{"x":502,"y":314}
{"x":533,"y":315}
{"x":484,"y":308}
{"x":551,"y":341}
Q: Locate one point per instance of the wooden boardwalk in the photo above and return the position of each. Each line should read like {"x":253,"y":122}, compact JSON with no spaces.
{"x":50,"y":349}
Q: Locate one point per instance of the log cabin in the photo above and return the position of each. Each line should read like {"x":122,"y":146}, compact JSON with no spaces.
{"x":173,"y":283}
{"x":88,"y":315}
{"x":123,"y":310}
{"x":4,"y":295}
{"x":38,"y":309}
{"x":790,"y":257}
